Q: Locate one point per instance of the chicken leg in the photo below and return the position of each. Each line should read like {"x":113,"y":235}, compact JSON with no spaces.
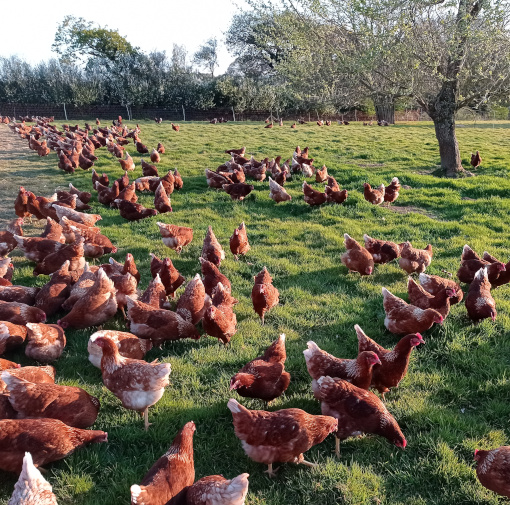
{"x":337,"y":447}
{"x":307,"y":463}
{"x":146,"y":418}
{"x":270,"y":471}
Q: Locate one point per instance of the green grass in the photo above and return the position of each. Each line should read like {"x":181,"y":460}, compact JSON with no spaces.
{"x":456,"y":395}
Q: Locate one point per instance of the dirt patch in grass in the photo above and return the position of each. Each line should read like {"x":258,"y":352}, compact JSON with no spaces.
{"x":406,"y":209}
{"x":19,"y":166}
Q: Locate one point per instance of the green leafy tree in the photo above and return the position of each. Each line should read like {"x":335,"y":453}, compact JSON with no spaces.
{"x":77,"y":39}
{"x":207,"y":56}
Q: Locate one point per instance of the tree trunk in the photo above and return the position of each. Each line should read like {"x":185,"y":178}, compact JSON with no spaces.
{"x":385,"y":108}
{"x":451,"y":163}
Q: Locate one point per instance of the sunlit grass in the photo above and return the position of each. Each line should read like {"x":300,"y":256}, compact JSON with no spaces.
{"x":456,"y":395}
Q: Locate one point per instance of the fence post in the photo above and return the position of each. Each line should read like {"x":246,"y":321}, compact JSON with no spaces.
{"x":233,"y":114}
{"x":65,"y":112}
{"x":183,"y":113}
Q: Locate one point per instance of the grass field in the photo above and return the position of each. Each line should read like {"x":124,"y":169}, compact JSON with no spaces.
{"x":456,"y":396}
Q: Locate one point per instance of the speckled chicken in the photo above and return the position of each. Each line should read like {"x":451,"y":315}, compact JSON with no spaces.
{"x":493,"y":469}
{"x":98,"y":305}
{"x":357,"y":258}
{"x":212,"y":250}
{"x":216,"y":490}
{"x":71,"y":405}
{"x":264,"y":377}
{"x":36,"y":374}
{"x":414,"y":260}
{"x":357,"y":411}
{"x":282,"y":436}
{"x":20,"y":313}
{"x":403,"y":319}
{"x":394,"y":362}
{"x":20,"y":294}
{"x":47,"y":439}
{"x":479,"y":302}
{"x":239,"y":244}
{"x":470,"y":264}
{"x":277,"y":192}
{"x":419,"y":297}
{"x":312,"y":196}
{"x":175,"y":237}
{"x":129,"y":345}
{"x":45,"y":342}
{"x":264,"y":295}
{"x":11,"y":336}
{"x":137,"y":384}
{"x":79,"y":217}
{"x":391,"y":191}
{"x":373,"y":195}
{"x":434,"y":285}
{"x":357,"y":371}
{"x":382,"y":251}
{"x":169,"y":478}
{"x":31,"y":487}
{"x":193,"y":302}
{"x":158,"y":325}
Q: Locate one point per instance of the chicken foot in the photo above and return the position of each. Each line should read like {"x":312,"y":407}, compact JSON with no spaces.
{"x":307,"y":463}
{"x":270,"y":472}
{"x":146,"y":418}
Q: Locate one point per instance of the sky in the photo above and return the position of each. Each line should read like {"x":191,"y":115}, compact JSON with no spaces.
{"x":149,"y":24}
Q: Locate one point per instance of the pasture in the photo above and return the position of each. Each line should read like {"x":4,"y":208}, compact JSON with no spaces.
{"x":456,"y":396}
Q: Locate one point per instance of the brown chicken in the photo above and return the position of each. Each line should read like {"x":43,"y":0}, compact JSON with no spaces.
{"x":434,"y":285}
{"x":414,"y":260}
{"x":476,"y":160}
{"x":394,"y":362}
{"x":74,"y":253}
{"x":129,"y":266}
{"x":239,"y":245}
{"x":71,"y":405}
{"x":219,"y":320}
{"x":175,"y":237}
{"x":471,"y":263}
{"x":313,"y":197}
{"x":503,"y":277}
{"x":79,"y":217}
{"x":178,"y":182}
{"x":357,"y":258}
{"x":277,"y":192}
{"x":80,"y":287}
{"x":32,"y":488}
{"x":161,"y":148}
{"x":335,"y":196}
{"x":212,"y":277}
{"x":264,"y":377}
{"x":493,"y":469}
{"x":281,"y":436}
{"x":6,"y":364}
{"x":238,"y":191}
{"x":133,"y":211}
{"x":45,"y":342}
{"x":21,"y":204}
{"x":212,"y":250}
{"x":6,"y":269}
{"x":391,"y":191}
{"x":137,"y":384}
{"x":419,"y":297}
{"x":264,"y":295}
{"x":103,"y":179}
{"x":161,"y":200}
{"x":375,"y":196}
{"x":19,"y":313}
{"x":11,"y":336}
{"x":7,"y":240}
{"x":322,"y":174}
{"x":35,"y":374}
{"x":129,"y":345}
{"x":46,"y":439}
{"x":175,"y":127}
{"x":216,"y":490}
{"x":37,"y":248}
{"x":169,"y":478}
{"x":53,"y":231}
{"x":140,"y":148}
{"x":357,"y":411}
{"x":155,"y":294}
{"x":107,"y":194}
{"x":217,"y":180}
{"x":155,"y":157}
{"x":479,"y":302}
{"x":20,"y":294}
{"x":403,"y":319}
{"x":169,"y":275}
{"x":382,"y":251}
{"x":98,"y":305}
{"x":84,"y":196}
{"x":356,"y":371}
{"x":193,"y":302}
{"x":125,"y":286}
{"x":158,"y":325}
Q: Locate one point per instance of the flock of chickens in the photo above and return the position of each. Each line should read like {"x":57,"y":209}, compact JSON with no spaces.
{"x":41,"y":421}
